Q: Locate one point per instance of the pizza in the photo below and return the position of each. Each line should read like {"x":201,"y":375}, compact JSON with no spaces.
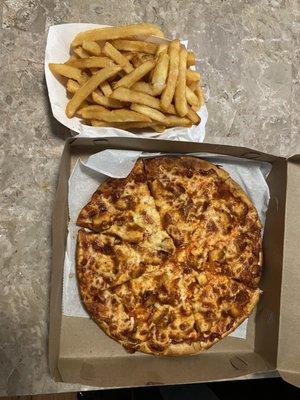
{"x":169,"y":258}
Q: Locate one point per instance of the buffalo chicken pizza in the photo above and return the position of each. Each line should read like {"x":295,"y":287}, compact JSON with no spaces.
{"x":169,"y":259}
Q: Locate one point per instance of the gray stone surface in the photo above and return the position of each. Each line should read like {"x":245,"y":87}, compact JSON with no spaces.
{"x":249,"y":57}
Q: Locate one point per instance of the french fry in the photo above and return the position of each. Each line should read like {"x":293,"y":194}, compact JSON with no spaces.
{"x":159,"y":128}
{"x":117,"y":57}
{"x":168,"y":92}
{"x":124,"y":125}
{"x":128,"y":55}
{"x":107,"y":102}
{"x":192,"y":76}
{"x":196,"y":108}
{"x":160,"y":73}
{"x":150,"y":112}
{"x":141,"y":58}
{"x":136,"y":61}
{"x":80,"y":52}
{"x":135,"y":75}
{"x":121,"y":115}
{"x":90,"y":108}
{"x":72,"y":86}
{"x":191,"y":97}
{"x":92,"y":48}
{"x":135,"y":46}
{"x":200,"y":95}
{"x":191,"y":59}
{"x":143,"y":87}
{"x":106,"y":88}
{"x":132,"y":96}
{"x":193,"y":116}
{"x":89,"y":86}
{"x":162,"y":48}
{"x":179,"y":121}
{"x":116,"y":33}
{"x":180,"y":90}
{"x":193,"y":85}
{"x":91,"y":62}
{"x":67,"y":71}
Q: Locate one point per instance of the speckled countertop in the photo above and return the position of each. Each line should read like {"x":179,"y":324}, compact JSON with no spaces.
{"x":249,"y":56}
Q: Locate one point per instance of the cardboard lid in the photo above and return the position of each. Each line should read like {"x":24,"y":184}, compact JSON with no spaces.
{"x":288,"y":359}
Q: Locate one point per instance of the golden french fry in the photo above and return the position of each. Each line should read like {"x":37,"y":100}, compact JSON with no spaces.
{"x":117,"y":57}
{"x":89,"y":86}
{"x":199,"y":93}
{"x":193,"y":116}
{"x":196,"y":108}
{"x":179,"y":121}
{"x":192,"y":76}
{"x":136,"y":61}
{"x":143,"y":87}
{"x":191,"y":59}
{"x":121,"y":115}
{"x":180,"y":90}
{"x":92,"y":48}
{"x":159,"y":128}
{"x":91,"y":62}
{"x":150,"y":112}
{"x":128,"y":55}
{"x":106,"y":89}
{"x":135,"y":46}
{"x":106,"y":101}
{"x":160,"y":73}
{"x":88,"y":108}
{"x":162,"y":48}
{"x":80,"y":52}
{"x":168,"y":92}
{"x":141,"y":58}
{"x":67,"y":71}
{"x":72,"y":86}
{"x":191,"y":97}
{"x":116,"y":33}
{"x":193,"y":85}
{"x":132,"y":96}
{"x":124,"y":125}
{"x":135,"y":75}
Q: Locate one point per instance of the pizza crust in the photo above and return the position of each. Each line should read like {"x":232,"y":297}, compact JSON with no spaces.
{"x":185,"y":167}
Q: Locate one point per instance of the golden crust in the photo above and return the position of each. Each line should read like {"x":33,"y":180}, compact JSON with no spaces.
{"x":144,"y":174}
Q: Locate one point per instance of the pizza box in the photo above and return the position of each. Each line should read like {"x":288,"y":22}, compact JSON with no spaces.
{"x":80,"y":353}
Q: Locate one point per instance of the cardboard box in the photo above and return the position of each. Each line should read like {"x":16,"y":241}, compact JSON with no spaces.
{"x":80,"y":353}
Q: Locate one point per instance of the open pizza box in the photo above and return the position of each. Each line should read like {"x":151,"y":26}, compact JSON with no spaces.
{"x":80,"y":353}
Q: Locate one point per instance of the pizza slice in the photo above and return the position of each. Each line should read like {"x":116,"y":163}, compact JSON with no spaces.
{"x":229,"y":241}
{"x":170,"y":320}
{"x":106,"y":261}
{"x":125,"y":210}
{"x":219,"y":305}
{"x":115,"y":319}
{"x":182,"y":188}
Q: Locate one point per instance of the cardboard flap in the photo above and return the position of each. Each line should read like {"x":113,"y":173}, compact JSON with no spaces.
{"x":167,"y":146}
{"x":59,"y":231}
{"x":288,"y":361}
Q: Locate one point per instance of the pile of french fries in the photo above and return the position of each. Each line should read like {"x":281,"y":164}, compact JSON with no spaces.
{"x":113,"y":79}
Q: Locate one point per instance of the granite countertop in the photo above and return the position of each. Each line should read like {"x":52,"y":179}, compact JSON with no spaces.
{"x":249,"y":57}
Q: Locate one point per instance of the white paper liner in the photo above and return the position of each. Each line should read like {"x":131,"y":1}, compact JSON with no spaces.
{"x":58,"y":51}
{"x":86,"y":177}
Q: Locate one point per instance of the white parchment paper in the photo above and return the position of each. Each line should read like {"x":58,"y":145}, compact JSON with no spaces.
{"x":58,"y":51}
{"x":86,"y":177}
